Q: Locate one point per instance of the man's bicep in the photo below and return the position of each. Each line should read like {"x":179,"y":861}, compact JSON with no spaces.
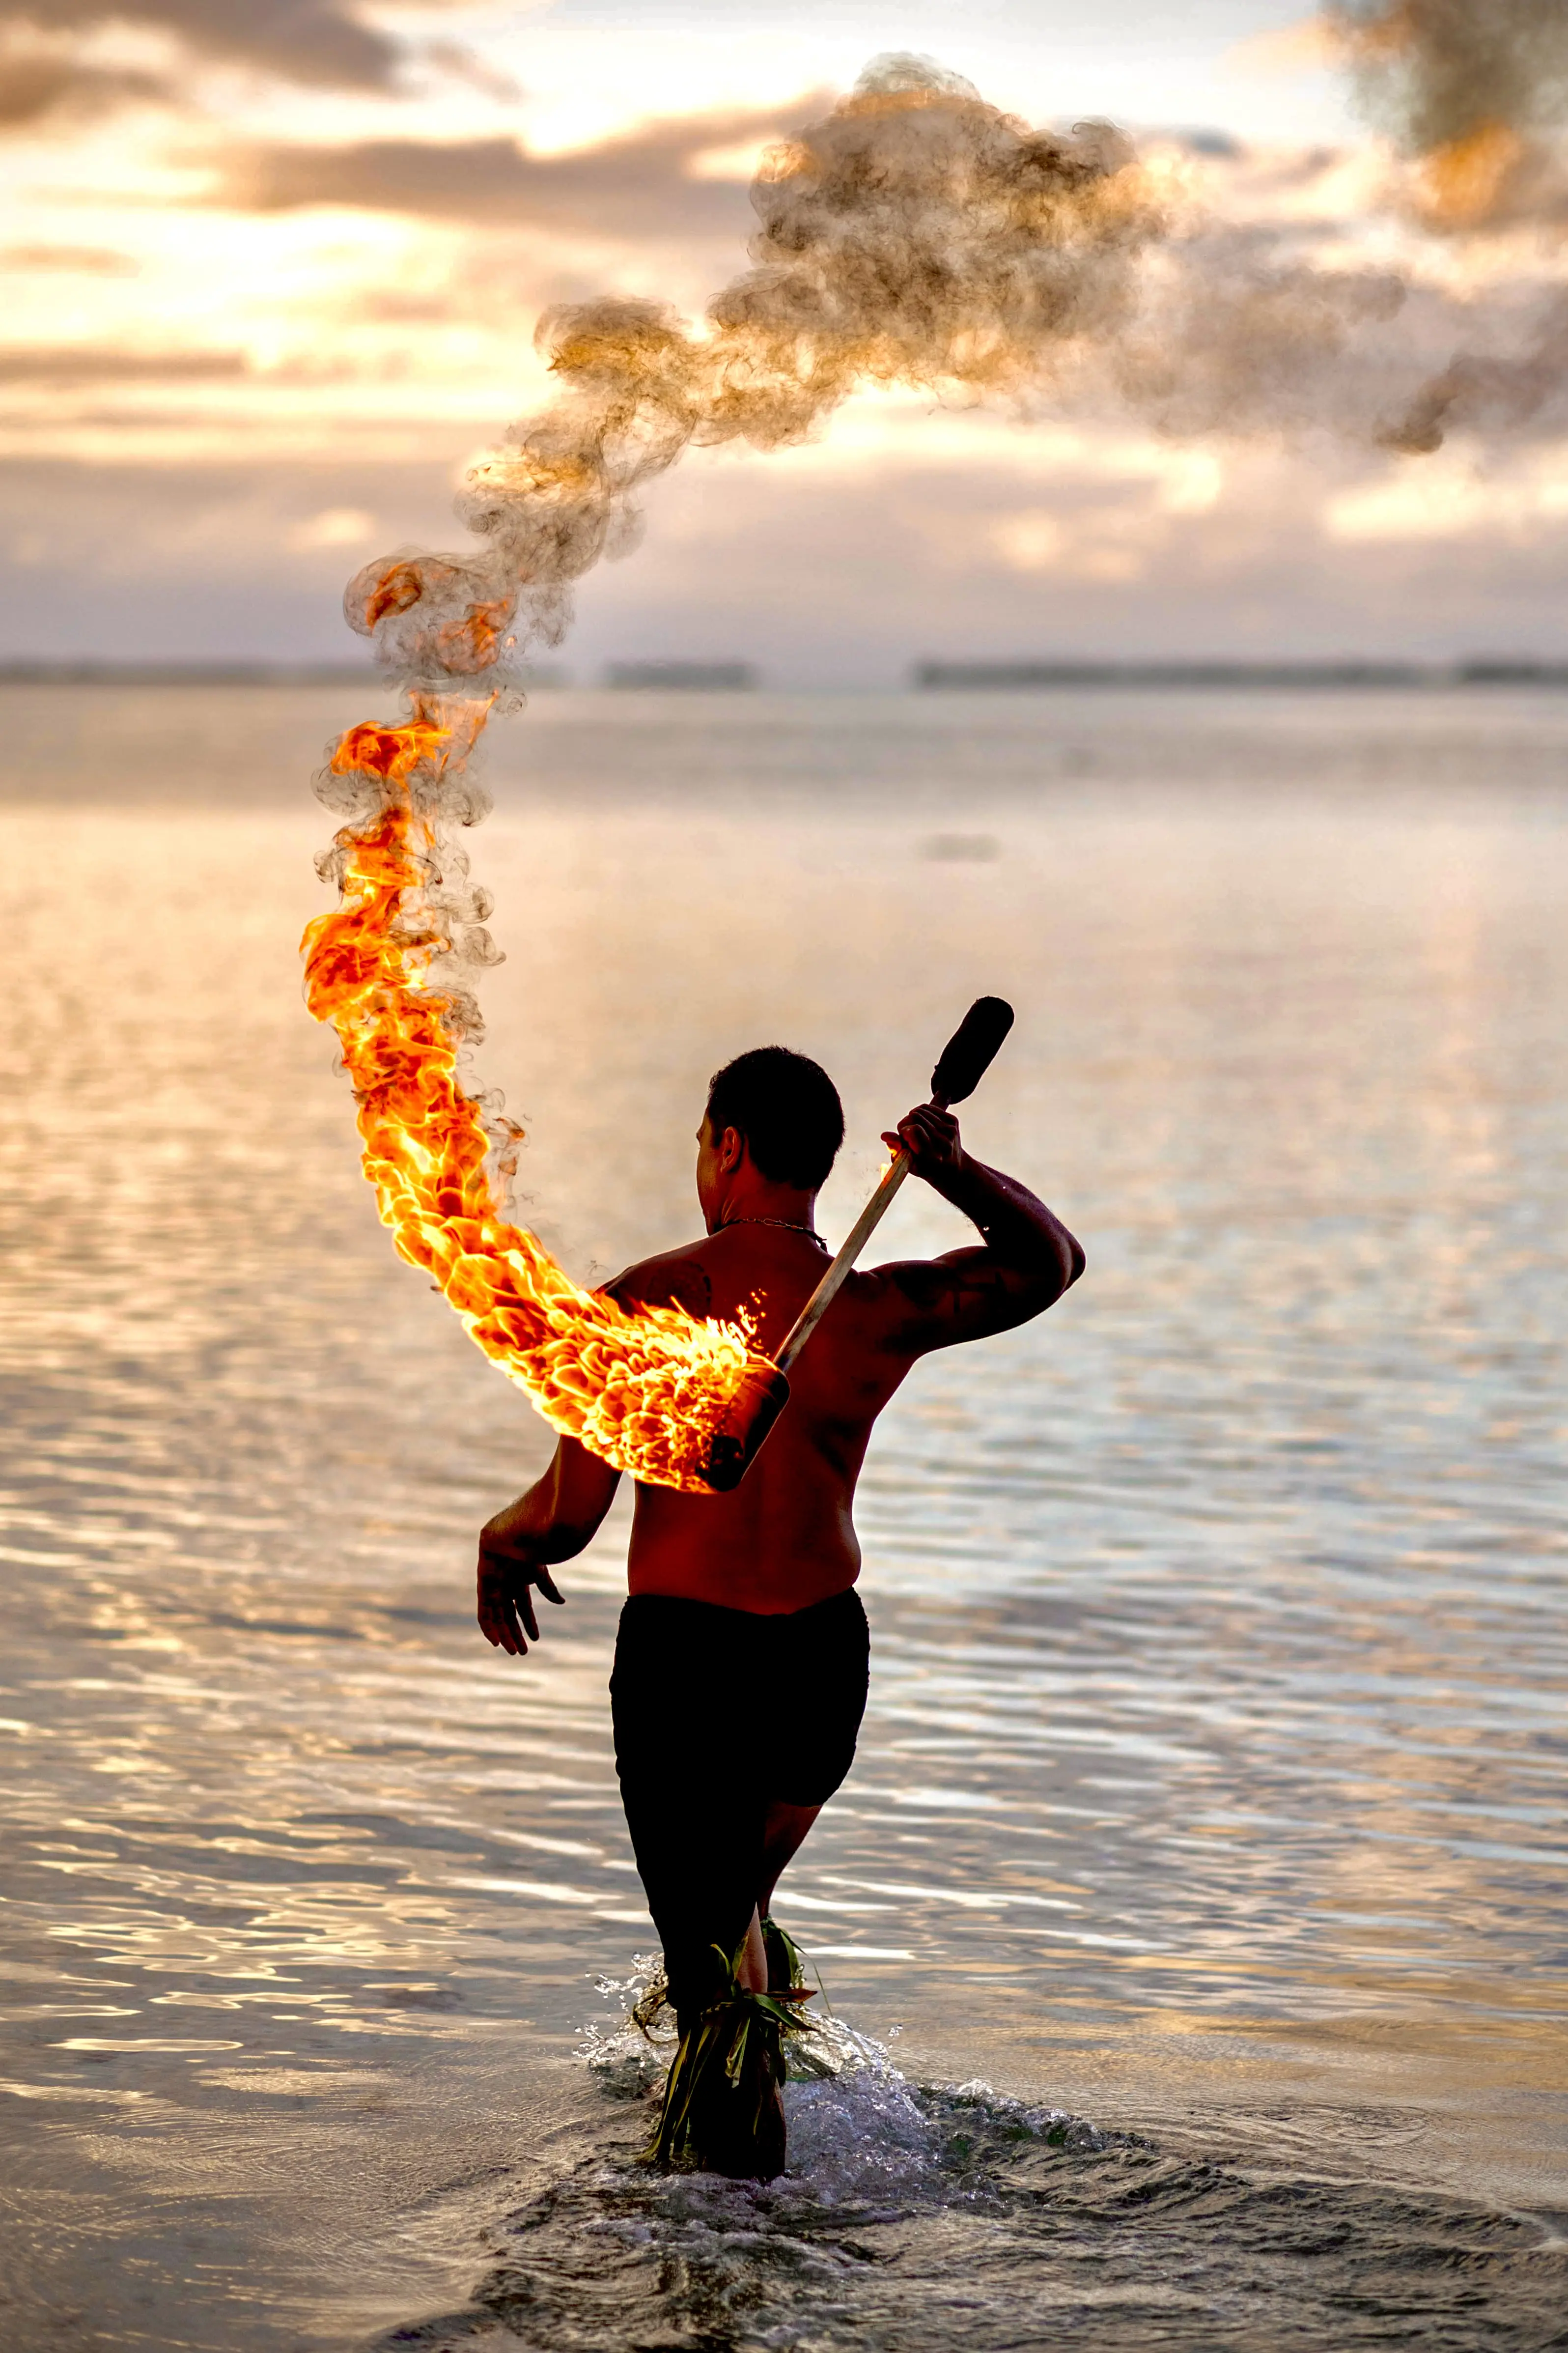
{"x":966,"y":1295}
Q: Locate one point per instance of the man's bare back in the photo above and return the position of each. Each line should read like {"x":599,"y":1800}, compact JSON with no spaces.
{"x":740,"y":1662}
{"x":786,"y":1537}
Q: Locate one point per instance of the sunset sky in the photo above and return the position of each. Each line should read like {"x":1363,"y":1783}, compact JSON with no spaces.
{"x":271,"y":274}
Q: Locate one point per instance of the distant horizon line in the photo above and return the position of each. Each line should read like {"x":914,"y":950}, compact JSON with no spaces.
{"x":923,"y":676}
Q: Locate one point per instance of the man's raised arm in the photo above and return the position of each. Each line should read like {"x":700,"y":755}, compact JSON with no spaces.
{"x":1029,"y":1259}
{"x":553,"y":1521}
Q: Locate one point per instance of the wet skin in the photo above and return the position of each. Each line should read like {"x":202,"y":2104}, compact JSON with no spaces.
{"x":786,"y":1537}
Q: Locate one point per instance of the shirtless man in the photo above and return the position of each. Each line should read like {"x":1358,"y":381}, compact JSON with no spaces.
{"x":740,"y":1664}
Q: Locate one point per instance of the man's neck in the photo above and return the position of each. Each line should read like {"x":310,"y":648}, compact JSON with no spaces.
{"x":768,"y":1205}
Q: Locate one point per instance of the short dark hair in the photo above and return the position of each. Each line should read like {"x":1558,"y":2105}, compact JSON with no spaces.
{"x":786,"y":1107}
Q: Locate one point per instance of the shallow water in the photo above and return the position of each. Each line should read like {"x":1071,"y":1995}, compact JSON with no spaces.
{"x":1212,"y":1788}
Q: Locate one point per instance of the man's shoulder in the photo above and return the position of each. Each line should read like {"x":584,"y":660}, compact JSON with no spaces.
{"x":882,"y":1289}
{"x":675,"y":1278}
{"x":893,"y":1302}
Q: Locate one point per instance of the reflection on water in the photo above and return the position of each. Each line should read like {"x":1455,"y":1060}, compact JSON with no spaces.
{"x":924,"y":2219}
{"x":1213,"y":1783}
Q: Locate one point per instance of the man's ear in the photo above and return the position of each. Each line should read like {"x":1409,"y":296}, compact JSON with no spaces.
{"x":732,"y":1150}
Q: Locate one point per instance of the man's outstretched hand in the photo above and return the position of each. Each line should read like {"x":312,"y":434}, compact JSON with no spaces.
{"x":551,"y":1522}
{"x":507,"y":1571}
{"x":930,"y":1138}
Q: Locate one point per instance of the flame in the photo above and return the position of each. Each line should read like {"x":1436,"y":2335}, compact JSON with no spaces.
{"x":646,"y":1391}
{"x":918,"y":235}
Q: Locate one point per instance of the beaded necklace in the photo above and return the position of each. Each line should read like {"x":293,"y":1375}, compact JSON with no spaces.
{"x":790,"y":1225}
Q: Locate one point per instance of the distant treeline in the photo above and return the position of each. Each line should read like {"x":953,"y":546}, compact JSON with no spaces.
{"x":998,"y":675}
{"x":693,"y":677}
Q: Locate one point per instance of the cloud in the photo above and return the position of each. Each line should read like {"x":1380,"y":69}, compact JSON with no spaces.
{"x":1449,"y":498}
{"x":642,"y":184}
{"x":67,"y":364}
{"x":77,"y":260}
{"x":332,"y":527}
{"x":184,"y":560}
{"x":37,"y":83}
{"x":316,"y":41}
{"x":812,"y":569}
{"x":450,"y":57}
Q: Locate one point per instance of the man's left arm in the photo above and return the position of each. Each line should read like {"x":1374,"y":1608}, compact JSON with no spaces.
{"x":1028,"y":1259}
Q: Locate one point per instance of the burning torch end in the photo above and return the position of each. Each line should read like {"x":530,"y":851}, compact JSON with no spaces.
{"x":753,"y":1411}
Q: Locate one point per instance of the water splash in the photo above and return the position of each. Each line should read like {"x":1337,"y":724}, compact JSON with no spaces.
{"x":916,"y":2216}
{"x":862,"y":2138}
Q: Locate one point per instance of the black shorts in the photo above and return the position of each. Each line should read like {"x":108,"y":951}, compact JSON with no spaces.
{"x":718,"y":1713}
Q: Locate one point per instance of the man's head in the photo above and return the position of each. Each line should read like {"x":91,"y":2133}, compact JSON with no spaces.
{"x":779,"y":1111}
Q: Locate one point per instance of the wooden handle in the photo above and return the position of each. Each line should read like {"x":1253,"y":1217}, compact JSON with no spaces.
{"x":832,"y":1282}
{"x":966,"y":1059}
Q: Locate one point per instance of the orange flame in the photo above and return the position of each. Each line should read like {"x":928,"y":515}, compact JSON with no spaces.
{"x":646,"y":1391}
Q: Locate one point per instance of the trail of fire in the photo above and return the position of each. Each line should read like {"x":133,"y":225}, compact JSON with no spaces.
{"x":647,"y":1392}
{"x":915,"y":235}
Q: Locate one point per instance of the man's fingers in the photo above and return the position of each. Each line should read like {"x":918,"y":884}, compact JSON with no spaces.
{"x":925,"y":1133}
{"x":497,"y":1622}
{"x":504,"y":1603}
{"x":928,"y":1134}
{"x":497,"y":1630}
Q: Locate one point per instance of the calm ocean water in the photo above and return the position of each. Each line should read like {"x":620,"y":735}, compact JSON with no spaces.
{"x":1198,"y":1896}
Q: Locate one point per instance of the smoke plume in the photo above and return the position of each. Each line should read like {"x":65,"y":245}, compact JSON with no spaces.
{"x":915,"y":236}
{"x":1476,"y":93}
{"x":1473,"y":90}
{"x":918,"y":237}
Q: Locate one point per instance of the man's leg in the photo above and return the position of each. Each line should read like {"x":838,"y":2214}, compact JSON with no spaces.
{"x":817,"y":1687}
{"x":696,"y":1826}
{"x":782,"y":1839}
{"x":683,"y":1735}
{"x":784,"y":1831}
{"x":783,"y":1835}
